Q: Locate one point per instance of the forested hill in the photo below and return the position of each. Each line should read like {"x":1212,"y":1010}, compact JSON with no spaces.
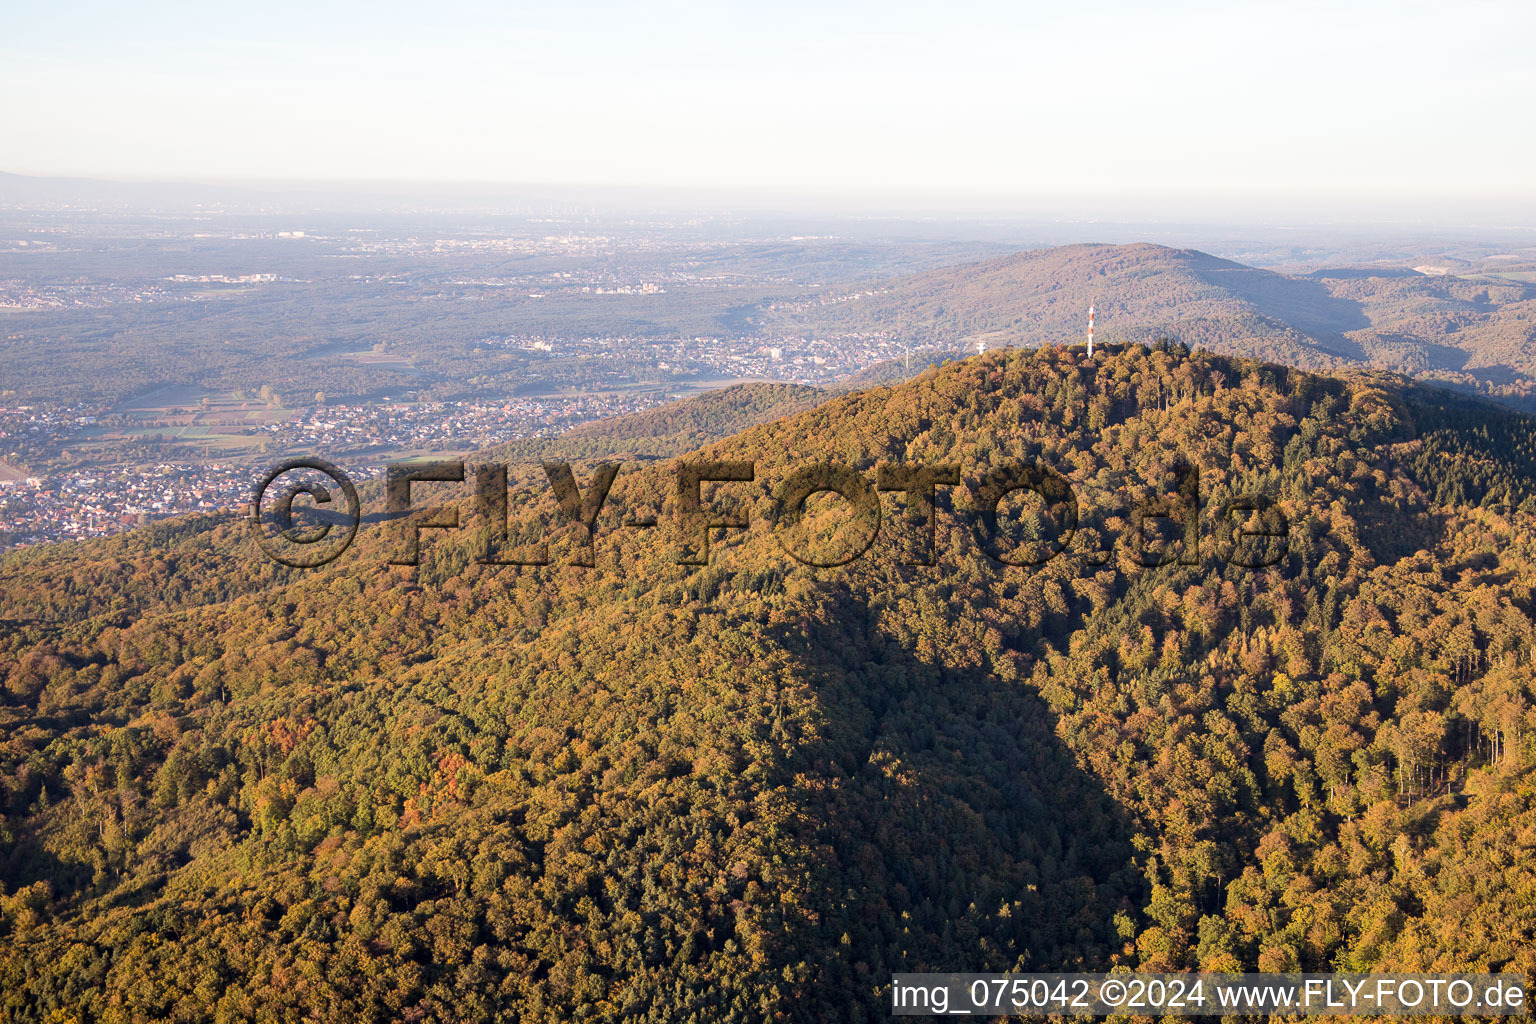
{"x":1474,"y":333}
{"x":674,"y":428}
{"x":752,"y":790}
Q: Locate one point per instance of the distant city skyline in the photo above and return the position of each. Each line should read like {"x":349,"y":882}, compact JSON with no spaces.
{"x":1384,"y":102}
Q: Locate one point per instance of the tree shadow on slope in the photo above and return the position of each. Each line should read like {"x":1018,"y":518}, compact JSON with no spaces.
{"x":1306,"y":305}
{"x":951,"y":828}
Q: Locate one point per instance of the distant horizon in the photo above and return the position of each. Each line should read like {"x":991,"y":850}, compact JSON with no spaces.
{"x":1335,"y":210}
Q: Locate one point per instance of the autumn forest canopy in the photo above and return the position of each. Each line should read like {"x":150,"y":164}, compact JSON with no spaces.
{"x":753,"y":789}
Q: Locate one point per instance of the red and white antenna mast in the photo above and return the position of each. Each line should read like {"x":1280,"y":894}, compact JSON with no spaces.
{"x":1090,"y":330}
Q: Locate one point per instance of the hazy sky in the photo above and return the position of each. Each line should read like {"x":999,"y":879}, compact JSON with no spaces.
{"x":1373,"y":99}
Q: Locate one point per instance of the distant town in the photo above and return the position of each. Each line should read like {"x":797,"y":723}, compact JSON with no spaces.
{"x":96,"y":501}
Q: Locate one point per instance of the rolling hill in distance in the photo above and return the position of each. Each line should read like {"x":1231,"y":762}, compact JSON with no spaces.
{"x":751,"y":790}
{"x":1476,"y":331}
